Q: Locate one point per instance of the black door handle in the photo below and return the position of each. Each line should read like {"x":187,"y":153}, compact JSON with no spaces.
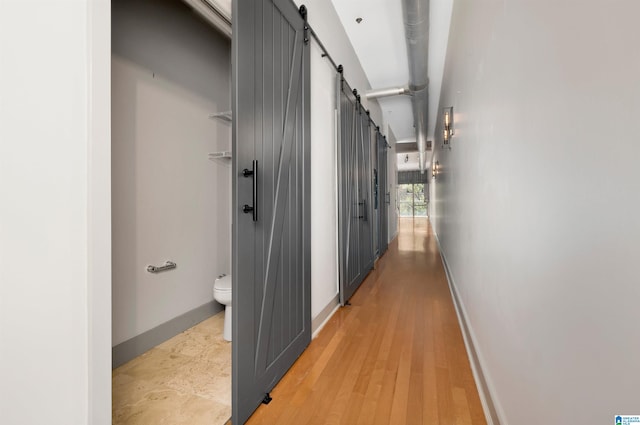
{"x":364,"y":210}
{"x":252,"y":173}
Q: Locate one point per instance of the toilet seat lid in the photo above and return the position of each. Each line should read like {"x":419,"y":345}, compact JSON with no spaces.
{"x":223,"y":284}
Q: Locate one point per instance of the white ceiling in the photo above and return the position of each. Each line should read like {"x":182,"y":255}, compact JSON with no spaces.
{"x":381,"y":48}
{"x":407,"y":161}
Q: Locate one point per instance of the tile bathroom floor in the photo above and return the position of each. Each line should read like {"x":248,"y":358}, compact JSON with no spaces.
{"x":185,"y":380}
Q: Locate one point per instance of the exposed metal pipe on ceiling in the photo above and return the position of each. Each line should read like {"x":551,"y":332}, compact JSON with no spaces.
{"x":416,"y":28}
{"x":391,"y":91}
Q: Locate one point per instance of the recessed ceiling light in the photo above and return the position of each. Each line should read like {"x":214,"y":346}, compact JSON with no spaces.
{"x":358,"y":20}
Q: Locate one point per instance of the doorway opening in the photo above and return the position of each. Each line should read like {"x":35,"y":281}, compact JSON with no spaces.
{"x":171,"y":214}
{"x":412,"y":200}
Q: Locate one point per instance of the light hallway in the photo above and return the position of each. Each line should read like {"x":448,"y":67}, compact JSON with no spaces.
{"x":395,"y":356}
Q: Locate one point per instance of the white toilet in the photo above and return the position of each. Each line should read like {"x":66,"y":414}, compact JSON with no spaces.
{"x":222,"y":294}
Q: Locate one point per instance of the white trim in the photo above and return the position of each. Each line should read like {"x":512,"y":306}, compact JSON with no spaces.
{"x":99,"y":211}
{"x":490,"y":405}
{"x":325,"y":315}
{"x":140,"y":344}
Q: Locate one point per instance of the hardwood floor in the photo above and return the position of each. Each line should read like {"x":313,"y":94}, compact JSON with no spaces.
{"x":395,"y":356}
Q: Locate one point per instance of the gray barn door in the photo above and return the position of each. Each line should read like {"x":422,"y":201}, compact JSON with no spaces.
{"x":383,"y":237}
{"x":356,"y":224}
{"x":350,"y":275}
{"x":365,"y":199}
{"x":271,"y":198}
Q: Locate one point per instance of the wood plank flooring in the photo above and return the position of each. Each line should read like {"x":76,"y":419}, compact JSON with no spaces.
{"x":395,"y":356}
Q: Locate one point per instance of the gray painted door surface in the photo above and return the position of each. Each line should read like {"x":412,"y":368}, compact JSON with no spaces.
{"x":348,"y":204}
{"x":381,"y":144}
{"x":355,"y":186}
{"x":365,"y":199}
{"x":271,"y":198}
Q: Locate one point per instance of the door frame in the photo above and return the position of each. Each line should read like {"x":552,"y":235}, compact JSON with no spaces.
{"x":98,"y":130}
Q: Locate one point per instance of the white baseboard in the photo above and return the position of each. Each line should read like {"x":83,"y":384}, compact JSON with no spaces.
{"x":492,"y":411}
{"x":142,"y":343}
{"x":323,"y":317}
{"x":395,"y":235}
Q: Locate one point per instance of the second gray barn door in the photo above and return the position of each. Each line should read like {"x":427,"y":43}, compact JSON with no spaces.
{"x":350,"y":273}
{"x":271,"y":198}
{"x":365,"y":193}
{"x":356,"y":224}
{"x":383,"y":237}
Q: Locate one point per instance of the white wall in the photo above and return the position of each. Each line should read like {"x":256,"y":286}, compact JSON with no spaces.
{"x":170,"y":202}
{"x":439,"y":25}
{"x":536,"y":206}
{"x":324,"y":264}
{"x":324,"y":19}
{"x":324,"y":225}
{"x":54,"y":227}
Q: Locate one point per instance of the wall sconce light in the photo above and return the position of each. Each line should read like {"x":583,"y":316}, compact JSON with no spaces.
{"x":447,"y":115}
{"x":434,"y":169}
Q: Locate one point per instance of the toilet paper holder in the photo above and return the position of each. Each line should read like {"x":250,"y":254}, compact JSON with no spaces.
{"x":168,"y":265}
